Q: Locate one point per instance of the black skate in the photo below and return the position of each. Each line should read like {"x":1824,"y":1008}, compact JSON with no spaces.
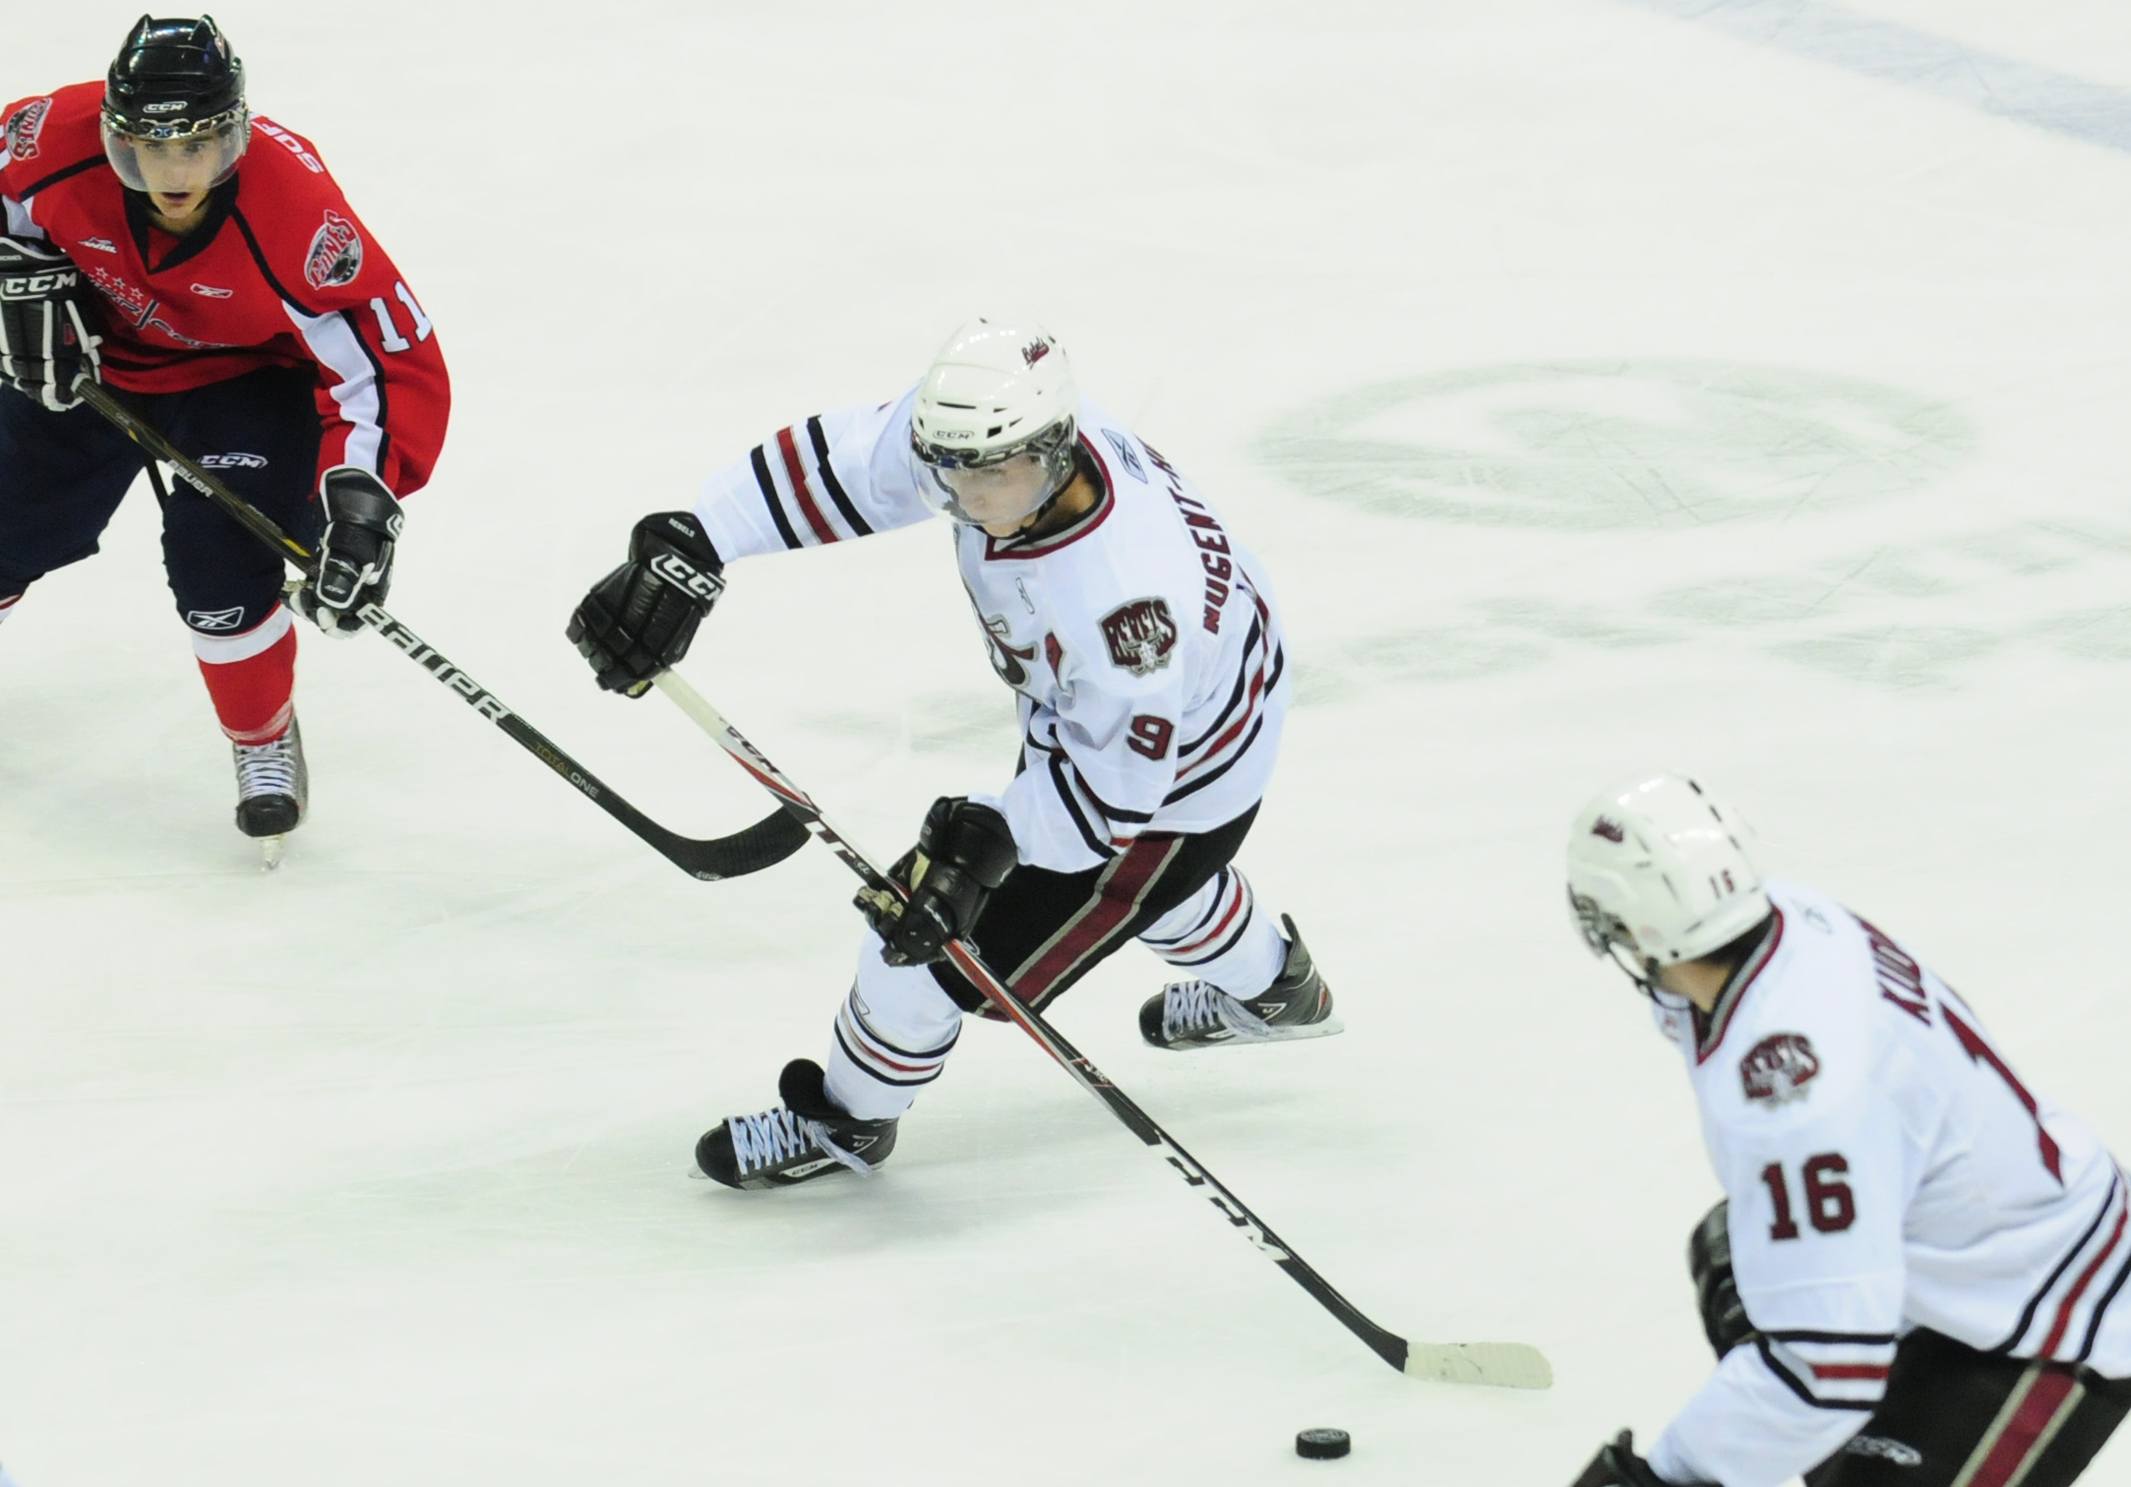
{"x":1198,"y":1014}
{"x":804,"y":1138}
{"x":273,"y":790}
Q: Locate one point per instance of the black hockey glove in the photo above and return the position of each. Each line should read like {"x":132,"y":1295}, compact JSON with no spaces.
{"x":1716,"y":1289}
{"x":47,"y":318}
{"x":1617,"y":1465}
{"x":640,"y":619}
{"x":964,"y":851}
{"x":355,"y":552}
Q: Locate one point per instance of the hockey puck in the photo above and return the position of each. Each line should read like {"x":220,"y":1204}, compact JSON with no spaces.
{"x":1322,"y":1444}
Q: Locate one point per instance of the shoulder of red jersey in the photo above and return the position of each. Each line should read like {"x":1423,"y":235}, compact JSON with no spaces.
{"x":49,"y":132}
{"x":311,"y":243}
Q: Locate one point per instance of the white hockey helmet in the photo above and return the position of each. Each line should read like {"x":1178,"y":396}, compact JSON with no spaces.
{"x":1659,"y":873}
{"x":993,"y":427}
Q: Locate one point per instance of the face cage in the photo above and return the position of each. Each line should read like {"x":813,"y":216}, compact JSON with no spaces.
{"x":1053,"y":447}
{"x":1607,"y":936}
{"x":232,"y":128}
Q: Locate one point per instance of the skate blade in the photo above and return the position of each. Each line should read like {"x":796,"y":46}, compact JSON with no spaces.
{"x":1244,"y":1037}
{"x":270,"y":850}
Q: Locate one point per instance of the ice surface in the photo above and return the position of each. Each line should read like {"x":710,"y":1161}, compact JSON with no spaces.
{"x":1605,"y":390}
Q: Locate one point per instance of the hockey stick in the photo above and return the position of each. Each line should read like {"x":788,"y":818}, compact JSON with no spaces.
{"x":1506,"y":1364}
{"x":764,"y":844}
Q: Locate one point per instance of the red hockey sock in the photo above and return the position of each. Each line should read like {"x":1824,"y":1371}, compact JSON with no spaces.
{"x":251,"y":678}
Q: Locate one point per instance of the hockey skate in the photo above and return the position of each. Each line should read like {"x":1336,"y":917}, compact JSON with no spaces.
{"x":273,"y":790}
{"x":1198,"y":1014}
{"x":803,"y":1138}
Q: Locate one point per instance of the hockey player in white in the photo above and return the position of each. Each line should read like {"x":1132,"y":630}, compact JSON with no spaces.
{"x":1917,"y":1275}
{"x":1146,"y":653}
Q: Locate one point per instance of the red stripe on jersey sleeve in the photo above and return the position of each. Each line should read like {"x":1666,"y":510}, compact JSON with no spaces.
{"x":805,"y":497}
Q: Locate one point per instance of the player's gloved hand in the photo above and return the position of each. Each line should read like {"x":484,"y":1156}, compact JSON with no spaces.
{"x":1716,"y":1289}
{"x":964,"y":851}
{"x":48,"y":341}
{"x":640,"y":619}
{"x":1617,"y":1465}
{"x":355,"y":552}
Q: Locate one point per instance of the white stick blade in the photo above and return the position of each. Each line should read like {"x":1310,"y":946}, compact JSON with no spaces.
{"x":1501,"y":1365}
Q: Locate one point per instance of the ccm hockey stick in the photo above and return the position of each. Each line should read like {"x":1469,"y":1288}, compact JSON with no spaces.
{"x":764,"y":844}
{"x":1505,"y":1364}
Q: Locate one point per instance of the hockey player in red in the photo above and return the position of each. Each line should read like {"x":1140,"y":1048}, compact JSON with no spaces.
{"x":161,"y":239}
{"x":1917,"y":1276}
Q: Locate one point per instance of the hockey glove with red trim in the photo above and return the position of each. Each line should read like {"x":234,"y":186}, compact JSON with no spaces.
{"x":640,"y":619}
{"x":354,"y":553}
{"x":1617,"y":1465}
{"x":47,"y":315}
{"x":965,"y":850}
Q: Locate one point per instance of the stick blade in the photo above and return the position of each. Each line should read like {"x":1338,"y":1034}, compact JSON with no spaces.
{"x":1500,"y":1365}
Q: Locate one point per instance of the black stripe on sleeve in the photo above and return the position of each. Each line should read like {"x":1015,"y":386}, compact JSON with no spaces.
{"x":2034,"y":1302}
{"x":1235,"y":696}
{"x":1114,"y":813}
{"x":769,"y":499}
{"x":1218,"y":770}
{"x":63,"y":173}
{"x":2101,"y":1307}
{"x":1797,"y":1385}
{"x":820,"y":441}
{"x":1096,"y":844}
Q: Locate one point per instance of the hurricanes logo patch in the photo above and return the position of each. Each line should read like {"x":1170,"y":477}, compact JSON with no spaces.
{"x":23,"y":127}
{"x":336,"y":254}
{"x":1140,"y":635}
{"x":1778,"y":1068}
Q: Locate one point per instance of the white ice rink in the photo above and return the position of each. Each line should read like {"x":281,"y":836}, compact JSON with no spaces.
{"x":1607,"y":384}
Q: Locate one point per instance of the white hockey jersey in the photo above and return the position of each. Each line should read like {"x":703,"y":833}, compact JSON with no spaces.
{"x":1887,"y":1170}
{"x":1142,"y":639}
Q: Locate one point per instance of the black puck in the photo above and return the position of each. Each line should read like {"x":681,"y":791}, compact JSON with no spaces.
{"x":1322,"y":1444}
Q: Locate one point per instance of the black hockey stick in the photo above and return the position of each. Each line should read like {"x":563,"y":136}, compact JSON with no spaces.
{"x":1507,"y":1364}
{"x":764,"y":844}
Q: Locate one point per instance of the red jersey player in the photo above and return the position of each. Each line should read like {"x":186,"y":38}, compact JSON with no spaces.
{"x":161,"y":239}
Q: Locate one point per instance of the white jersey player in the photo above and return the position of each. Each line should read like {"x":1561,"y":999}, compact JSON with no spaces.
{"x":1146,"y":652}
{"x":1917,"y":1275}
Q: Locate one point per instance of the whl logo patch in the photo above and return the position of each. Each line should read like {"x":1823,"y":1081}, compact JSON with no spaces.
{"x":336,"y":253}
{"x":219,"y":620}
{"x":1140,"y":635}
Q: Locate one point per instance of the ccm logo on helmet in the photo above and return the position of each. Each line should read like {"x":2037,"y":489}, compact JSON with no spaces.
{"x":163,"y":108}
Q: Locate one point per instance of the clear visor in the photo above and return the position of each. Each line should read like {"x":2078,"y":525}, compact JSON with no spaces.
{"x":200,"y":158}
{"x":1000,"y":489}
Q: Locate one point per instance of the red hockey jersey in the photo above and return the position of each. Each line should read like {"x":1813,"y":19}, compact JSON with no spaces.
{"x":281,"y":274}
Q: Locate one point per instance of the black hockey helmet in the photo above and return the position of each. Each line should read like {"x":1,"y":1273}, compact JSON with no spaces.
{"x":174,"y":78}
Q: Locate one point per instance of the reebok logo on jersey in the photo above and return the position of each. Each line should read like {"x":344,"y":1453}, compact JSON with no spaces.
{"x":101,"y":245}
{"x":23,"y":127}
{"x":216,"y":619}
{"x":209,"y":291}
{"x":1778,"y":1068}
{"x":1140,"y":635}
{"x":1126,"y":455}
{"x":336,"y":253}
{"x":1898,"y":1452}
{"x":233,"y":461}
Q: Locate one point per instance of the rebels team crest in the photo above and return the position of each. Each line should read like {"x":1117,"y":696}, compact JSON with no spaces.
{"x":1778,"y":1068}
{"x":336,"y":255}
{"x":23,"y":127}
{"x":1140,"y":635}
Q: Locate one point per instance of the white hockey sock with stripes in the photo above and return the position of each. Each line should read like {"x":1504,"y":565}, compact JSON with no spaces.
{"x":893,"y":1034}
{"x":1220,"y":935}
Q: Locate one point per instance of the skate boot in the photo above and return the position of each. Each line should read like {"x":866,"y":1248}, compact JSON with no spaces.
{"x":1198,"y":1014}
{"x":803,"y":1138}
{"x":273,"y":790}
